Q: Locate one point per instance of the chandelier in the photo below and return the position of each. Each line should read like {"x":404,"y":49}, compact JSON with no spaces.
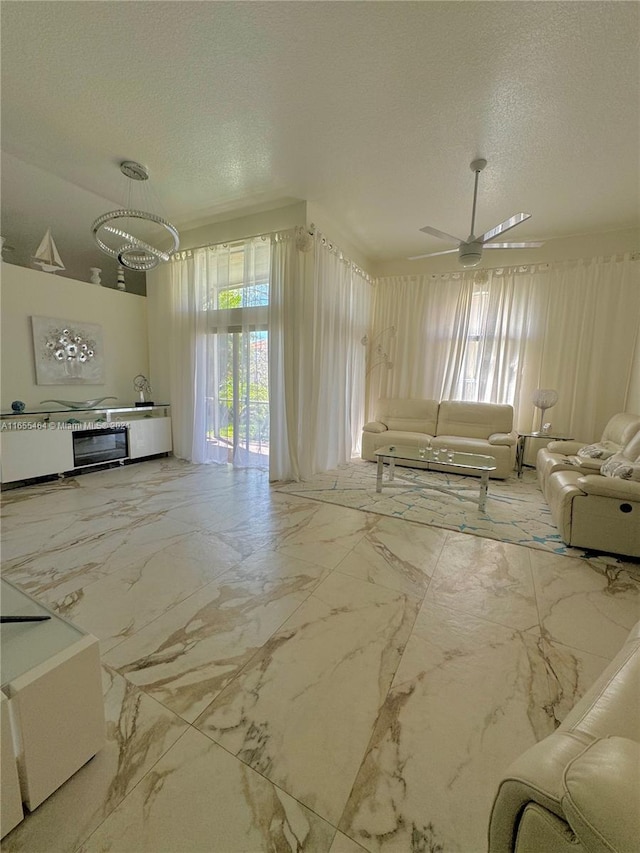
{"x":132,"y":235}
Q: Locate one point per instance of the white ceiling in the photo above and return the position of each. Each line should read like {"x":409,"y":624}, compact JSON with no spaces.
{"x":373,"y":110}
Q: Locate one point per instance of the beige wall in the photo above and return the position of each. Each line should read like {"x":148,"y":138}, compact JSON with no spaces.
{"x":123,"y":316}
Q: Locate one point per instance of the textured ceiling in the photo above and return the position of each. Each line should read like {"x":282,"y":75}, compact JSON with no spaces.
{"x":373,"y":110}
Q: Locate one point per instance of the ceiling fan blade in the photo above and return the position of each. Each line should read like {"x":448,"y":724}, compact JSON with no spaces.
{"x":507,"y":225}
{"x":441,"y":234}
{"x":530,"y":245}
{"x":433,"y":254}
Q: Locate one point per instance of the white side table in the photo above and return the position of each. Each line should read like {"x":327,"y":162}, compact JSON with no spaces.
{"x":50,"y":673}
{"x":521,"y":445}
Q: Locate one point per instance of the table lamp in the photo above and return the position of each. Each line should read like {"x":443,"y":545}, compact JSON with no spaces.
{"x":543,"y":399}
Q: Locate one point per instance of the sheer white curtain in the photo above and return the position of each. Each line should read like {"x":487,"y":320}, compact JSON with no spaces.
{"x":413,"y":324}
{"x":498,"y":335}
{"x":319,"y":312}
{"x":591,"y":326}
{"x":219,"y":353}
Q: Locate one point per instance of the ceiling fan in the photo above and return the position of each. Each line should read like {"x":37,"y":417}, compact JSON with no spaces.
{"x":470,"y":250}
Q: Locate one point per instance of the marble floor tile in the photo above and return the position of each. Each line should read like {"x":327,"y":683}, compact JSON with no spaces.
{"x":144,"y":590}
{"x":396,"y":554}
{"x":327,"y":534}
{"x":187,"y":656}
{"x":570,"y":673}
{"x":330,"y":666}
{"x":584,"y":606}
{"x":200,"y":799}
{"x":432,"y":768}
{"x":343,"y":844}
{"x":138,"y":732}
{"x":486,"y":578}
{"x":327,"y":716}
{"x":90,"y":548}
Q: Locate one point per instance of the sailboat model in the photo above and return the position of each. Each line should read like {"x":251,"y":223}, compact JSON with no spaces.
{"x":47,"y":255}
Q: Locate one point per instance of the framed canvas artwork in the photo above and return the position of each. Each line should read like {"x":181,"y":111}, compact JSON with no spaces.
{"x":67,"y":352}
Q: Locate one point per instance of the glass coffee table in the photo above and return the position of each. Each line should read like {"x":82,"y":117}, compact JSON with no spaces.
{"x":434,"y":460}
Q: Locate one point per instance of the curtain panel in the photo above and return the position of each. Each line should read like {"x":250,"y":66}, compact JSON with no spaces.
{"x":318,"y":314}
{"x":217,"y":299}
{"x":497,"y":335}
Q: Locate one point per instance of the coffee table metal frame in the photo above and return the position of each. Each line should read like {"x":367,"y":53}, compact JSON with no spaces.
{"x":482,"y":465}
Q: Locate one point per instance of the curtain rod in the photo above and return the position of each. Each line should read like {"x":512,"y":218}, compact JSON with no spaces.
{"x":239,"y":240}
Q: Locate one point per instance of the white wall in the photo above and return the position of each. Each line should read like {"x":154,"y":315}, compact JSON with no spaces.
{"x":123,"y":317}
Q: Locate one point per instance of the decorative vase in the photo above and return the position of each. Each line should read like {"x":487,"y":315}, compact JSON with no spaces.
{"x":95,"y":275}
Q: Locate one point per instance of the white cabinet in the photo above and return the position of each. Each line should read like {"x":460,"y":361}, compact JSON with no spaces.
{"x":10,"y":798}
{"x":149,"y":436}
{"x":35,"y":452}
{"x":52,"y":678}
{"x":39,"y":444}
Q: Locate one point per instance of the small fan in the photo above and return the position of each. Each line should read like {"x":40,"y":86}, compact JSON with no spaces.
{"x":470,"y":250}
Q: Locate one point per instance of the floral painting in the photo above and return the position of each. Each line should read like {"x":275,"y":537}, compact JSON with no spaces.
{"x":67,"y":352}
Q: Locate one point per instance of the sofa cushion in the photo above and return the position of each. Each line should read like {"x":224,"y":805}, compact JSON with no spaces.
{"x":621,"y":428}
{"x":600,"y":450}
{"x":473,"y":420}
{"x":410,"y":415}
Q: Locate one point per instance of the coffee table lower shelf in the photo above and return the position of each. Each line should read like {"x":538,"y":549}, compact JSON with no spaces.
{"x":462,"y":462}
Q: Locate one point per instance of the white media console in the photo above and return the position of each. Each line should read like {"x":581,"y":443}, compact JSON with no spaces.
{"x":41,"y":443}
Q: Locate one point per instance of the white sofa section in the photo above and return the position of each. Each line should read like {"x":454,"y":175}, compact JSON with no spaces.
{"x":598,"y":510}
{"x":587,"y":458}
{"x":485,"y":428}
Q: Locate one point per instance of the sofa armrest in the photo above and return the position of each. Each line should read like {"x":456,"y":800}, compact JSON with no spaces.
{"x":601,"y":795}
{"x":610,"y":487}
{"x":569,"y":448}
{"x":374,"y":426}
{"x":535,"y":777}
{"x":509,"y":439}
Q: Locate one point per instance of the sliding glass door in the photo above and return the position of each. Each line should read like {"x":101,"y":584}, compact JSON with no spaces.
{"x":238,"y":404}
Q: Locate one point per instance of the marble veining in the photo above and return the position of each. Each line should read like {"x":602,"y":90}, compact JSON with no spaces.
{"x":304,"y":667}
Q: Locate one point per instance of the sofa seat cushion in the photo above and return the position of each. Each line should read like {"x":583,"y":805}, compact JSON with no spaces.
{"x":400,"y":438}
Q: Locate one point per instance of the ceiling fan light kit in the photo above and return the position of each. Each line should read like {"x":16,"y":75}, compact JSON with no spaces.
{"x":469,"y":251}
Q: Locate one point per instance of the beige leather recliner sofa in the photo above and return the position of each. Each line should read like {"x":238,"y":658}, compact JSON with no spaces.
{"x":596,"y":507}
{"x":579,"y":788}
{"x":587,"y":458}
{"x":484,"y":428}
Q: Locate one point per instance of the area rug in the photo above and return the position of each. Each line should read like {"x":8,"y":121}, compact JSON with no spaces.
{"x":515,"y":510}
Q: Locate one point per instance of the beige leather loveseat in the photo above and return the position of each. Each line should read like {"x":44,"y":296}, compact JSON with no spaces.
{"x":485,"y":428}
{"x":595,"y":502}
{"x":578,"y":790}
